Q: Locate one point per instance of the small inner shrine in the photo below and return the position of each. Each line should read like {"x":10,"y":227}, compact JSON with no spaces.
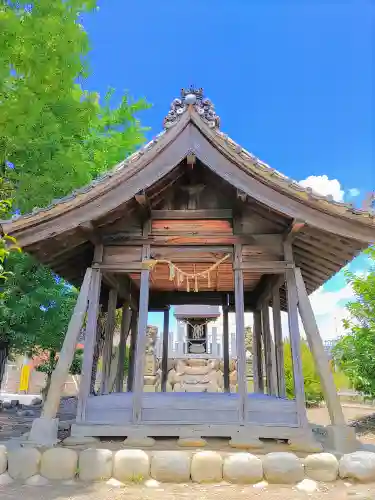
{"x":193,"y":320}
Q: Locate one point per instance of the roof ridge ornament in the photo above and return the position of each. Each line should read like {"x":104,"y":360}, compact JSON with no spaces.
{"x":202,"y":105}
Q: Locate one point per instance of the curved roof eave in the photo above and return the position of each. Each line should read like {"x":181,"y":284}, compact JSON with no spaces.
{"x":161,"y":155}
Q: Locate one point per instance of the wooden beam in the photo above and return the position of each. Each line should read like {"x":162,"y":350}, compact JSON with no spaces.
{"x":320,"y":357}
{"x":90,"y":338}
{"x":257,"y":353}
{"x":240,"y":333}
{"x":124,"y":333}
{"x":295,"y":340}
{"x":64,"y":362}
{"x":267,"y":266}
{"x":226,"y":348}
{"x":90,"y":232}
{"x":269,"y":351}
{"x":279,"y":344}
{"x":208,"y":214}
{"x":108,"y":341}
{"x":164,"y":361}
{"x":132,"y":348}
{"x":293,"y":229}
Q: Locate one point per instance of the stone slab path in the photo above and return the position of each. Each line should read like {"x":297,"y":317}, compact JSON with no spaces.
{"x":185,"y":492}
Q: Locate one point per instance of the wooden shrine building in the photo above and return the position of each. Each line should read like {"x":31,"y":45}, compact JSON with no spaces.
{"x":193,"y":218}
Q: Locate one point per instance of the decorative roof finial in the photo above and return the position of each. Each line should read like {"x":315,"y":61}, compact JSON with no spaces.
{"x":195,"y":97}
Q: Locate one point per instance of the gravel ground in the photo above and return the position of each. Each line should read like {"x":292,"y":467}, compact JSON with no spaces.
{"x":189,"y":492}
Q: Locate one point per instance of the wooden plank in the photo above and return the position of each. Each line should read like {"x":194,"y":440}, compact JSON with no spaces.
{"x":279,"y":345}
{"x":226,"y":348}
{"x":257,"y":353}
{"x":108,"y":341}
{"x":269,"y":267}
{"x":240,"y":333}
{"x":64,"y":362}
{"x":132,"y":347}
{"x":90,"y":338}
{"x":124,"y":332}
{"x":191,"y":214}
{"x":295,"y":340}
{"x":320,"y":357}
{"x":164,"y":361}
{"x":269,"y":351}
{"x":141,"y":336}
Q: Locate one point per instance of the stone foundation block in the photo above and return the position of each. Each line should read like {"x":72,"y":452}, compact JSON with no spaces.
{"x":207,"y":467}
{"x":283,"y":468}
{"x":359,"y":465}
{"x":139,"y":442}
{"x":95,"y":465}
{"x":131,"y":465}
{"x":322,"y":467}
{"x":23,"y":463}
{"x":243,"y":468}
{"x":3,"y":459}
{"x":37,"y":480}
{"x":5,"y":479}
{"x":245,"y":443}
{"x":171,"y":466}
{"x":59,"y":463}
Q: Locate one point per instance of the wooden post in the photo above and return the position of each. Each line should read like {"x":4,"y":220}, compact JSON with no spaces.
{"x":214,"y":350}
{"x":240,"y":331}
{"x":257,"y":353}
{"x":108,"y":341}
{"x":279,"y":345}
{"x":164,"y":362}
{"x":64,"y":362}
{"x":141,"y":338}
{"x":316,"y":346}
{"x":133,"y":343}
{"x":90,"y":338}
{"x":124,"y":332}
{"x":226,"y":348}
{"x":295,"y":339}
{"x":269,"y":351}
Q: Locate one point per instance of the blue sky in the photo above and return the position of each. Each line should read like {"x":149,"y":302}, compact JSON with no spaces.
{"x":291,"y":80}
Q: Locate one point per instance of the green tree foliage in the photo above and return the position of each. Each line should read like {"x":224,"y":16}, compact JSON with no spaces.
{"x":313,"y":390}
{"x":354,"y":352}
{"x":36,"y":307}
{"x":249,"y":339}
{"x":54,"y":137}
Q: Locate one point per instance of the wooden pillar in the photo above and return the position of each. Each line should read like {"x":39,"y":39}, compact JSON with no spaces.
{"x":279,"y":345}
{"x":295,"y":339}
{"x":240,"y":331}
{"x":141,"y":338}
{"x":269,"y":351}
{"x":226,"y":348}
{"x":164,"y":361}
{"x":316,"y":346}
{"x":89,"y":346}
{"x":257,"y":353}
{"x":124,"y":332}
{"x":133,"y":343}
{"x":108,"y":341}
{"x":64,"y":362}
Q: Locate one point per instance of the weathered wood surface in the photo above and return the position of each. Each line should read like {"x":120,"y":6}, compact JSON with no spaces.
{"x":295,"y":339}
{"x":257,"y":353}
{"x":64,"y":362}
{"x":90,"y":338}
{"x":279,"y":344}
{"x":320,"y":357}
{"x":226,"y":348}
{"x":108,"y":342}
{"x":164,"y":362}
{"x":269,"y":351}
{"x":240,"y":333}
{"x":124,"y":333}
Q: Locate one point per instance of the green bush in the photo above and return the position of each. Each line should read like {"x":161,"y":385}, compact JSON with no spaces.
{"x":313,"y":390}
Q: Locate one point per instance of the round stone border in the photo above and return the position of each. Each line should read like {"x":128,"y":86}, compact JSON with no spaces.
{"x":38,"y":467}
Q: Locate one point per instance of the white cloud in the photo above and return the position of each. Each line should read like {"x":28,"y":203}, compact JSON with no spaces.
{"x":324,"y":186}
{"x":353,"y":192}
